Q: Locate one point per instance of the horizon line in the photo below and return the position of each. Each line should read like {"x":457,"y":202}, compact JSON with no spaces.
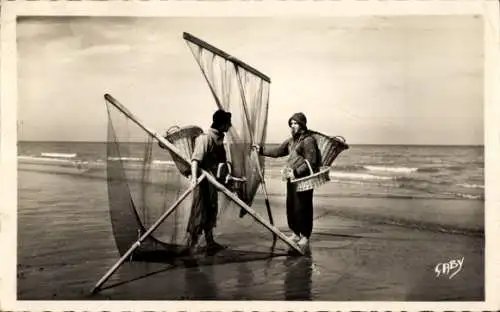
{"x":350,"y":144}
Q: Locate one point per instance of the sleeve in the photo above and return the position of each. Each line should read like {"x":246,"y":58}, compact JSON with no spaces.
{"x":279,"y":151}
{"x":311,"y":154}
{"x":200,"y":148}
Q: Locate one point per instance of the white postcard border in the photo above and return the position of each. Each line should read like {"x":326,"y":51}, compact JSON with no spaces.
{"x":8,"y":129}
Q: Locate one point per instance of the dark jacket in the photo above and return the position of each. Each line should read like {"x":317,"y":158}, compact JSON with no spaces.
{"x":303,"y":147}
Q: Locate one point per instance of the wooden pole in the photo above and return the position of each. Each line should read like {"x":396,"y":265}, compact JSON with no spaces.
{"x":162,"y":218}
{"x":189,"y":37}
{"x":210,"y":178}
{"x":266,"y":196}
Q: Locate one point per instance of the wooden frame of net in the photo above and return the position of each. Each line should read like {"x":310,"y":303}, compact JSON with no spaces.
{"x":204,"y":175}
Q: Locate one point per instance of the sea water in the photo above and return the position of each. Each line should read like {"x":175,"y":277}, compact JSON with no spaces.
{"x":392,"y":171}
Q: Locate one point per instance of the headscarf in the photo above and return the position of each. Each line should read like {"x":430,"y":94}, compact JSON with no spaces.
{"x":300,"y":118}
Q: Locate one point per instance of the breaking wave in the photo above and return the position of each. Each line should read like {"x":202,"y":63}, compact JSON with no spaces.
{"x":126,"y":158}
{"x":358,"y":176}
{"x":59,"y":155}
{"x":467,"y":196}
{"x":430,"y":168}
{"x":390,"y":169}
{"x":471,"y":186}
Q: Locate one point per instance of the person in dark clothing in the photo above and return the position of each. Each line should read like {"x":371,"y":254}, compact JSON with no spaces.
{"x":300,"y":148}
{"x":208,"y":154}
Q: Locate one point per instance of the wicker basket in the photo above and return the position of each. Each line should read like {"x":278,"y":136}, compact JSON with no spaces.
{"x":313,"y":180}
{"x":184,"y":139}
{"x":329,"y":148}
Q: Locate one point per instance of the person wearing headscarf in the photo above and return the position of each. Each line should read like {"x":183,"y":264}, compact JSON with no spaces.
{"x":208,"y":154}
{"x":300,"y":148}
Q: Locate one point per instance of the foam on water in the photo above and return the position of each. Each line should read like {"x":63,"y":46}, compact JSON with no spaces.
{"x":471,"y":186}
{"x":126,"y":158}
{"x":391,"y":169}
{"x":163,"y":162}
{"x":59,"y":155}
{"x":358,"y":176}
{"x":43,"y":159}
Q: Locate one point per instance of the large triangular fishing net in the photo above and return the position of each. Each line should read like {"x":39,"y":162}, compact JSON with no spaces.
{"x":243,"y":91}
{"x":144,"y":179}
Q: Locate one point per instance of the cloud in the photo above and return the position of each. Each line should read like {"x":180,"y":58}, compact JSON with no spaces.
{"x":365,"y":77}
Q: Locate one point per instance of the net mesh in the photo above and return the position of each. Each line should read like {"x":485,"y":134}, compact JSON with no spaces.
{"x":142,"y":185}
{"x":245,"y":93}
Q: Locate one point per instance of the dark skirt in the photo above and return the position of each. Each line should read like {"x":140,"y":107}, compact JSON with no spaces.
{"x":299,"y":210}
{"x":204,"y":209}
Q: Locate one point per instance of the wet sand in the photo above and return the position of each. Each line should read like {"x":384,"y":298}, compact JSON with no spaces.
{"x":66,"y":245}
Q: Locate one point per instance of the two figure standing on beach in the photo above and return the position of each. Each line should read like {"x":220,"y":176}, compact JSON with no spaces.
{"x":209,"y":153}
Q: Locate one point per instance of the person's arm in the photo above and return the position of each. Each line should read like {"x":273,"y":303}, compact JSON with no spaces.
{"x":194,"y":168}
{"x":199,"y":151}
{"x":310,"y":153}
{"x":279,"y":151}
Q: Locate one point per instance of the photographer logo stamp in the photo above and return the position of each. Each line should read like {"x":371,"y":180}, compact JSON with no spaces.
{"x":450,"y":268}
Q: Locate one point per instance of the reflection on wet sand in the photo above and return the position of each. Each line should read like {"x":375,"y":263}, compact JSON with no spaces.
{"x":244,"y":281}
{"x":199,"y":281}
{"x":298,"y":278}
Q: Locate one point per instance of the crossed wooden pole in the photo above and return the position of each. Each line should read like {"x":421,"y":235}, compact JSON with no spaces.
{"x":204,"y":175}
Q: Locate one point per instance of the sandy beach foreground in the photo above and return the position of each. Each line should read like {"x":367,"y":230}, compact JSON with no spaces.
{"x":66,"y":245}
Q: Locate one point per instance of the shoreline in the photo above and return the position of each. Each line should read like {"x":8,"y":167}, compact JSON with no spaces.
{"x":452,"y":216}
{"x":270,"y":143}
{"x":458,"y":216}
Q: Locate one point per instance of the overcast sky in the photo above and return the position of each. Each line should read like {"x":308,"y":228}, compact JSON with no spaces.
{"x":395,"y":80}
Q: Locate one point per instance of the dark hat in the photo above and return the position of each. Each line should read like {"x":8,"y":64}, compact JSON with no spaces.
{"x":300,"y":118}
{"x":221,"y":117}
